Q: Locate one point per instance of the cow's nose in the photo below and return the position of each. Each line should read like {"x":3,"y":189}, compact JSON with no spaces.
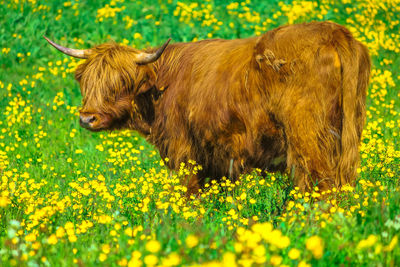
{"x":86,"y":120}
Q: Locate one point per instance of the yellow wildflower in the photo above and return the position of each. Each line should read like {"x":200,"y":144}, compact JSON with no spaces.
{"x":294,"y":254}
{"x":316,"y":246}
{"x":153,"y":246}
{"x":191,"y":241}
{"x":52,"y":240}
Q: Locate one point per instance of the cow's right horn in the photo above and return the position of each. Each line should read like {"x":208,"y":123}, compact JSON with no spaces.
{"x":78,"y":53}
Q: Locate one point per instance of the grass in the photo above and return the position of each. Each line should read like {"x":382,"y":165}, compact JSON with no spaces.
{"x":72,"y":197}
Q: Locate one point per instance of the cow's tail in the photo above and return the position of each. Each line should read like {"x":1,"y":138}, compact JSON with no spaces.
{"x":355,"y":65}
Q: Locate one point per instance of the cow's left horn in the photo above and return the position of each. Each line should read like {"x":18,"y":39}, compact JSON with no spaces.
{"x":146,"y":58}
{"x":78,"y":53}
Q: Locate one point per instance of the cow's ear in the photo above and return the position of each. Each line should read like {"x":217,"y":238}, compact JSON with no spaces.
{"x":147,"y":80}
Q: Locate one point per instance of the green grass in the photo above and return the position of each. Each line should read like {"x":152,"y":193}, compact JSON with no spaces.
{"x":111,"y":194}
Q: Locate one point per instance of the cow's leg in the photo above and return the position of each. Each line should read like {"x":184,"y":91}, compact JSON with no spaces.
{"x":313,"y":148}
{"x":311,"y":160}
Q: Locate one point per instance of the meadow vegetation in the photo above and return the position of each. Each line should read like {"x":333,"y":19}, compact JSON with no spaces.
{"x":70,"y":197}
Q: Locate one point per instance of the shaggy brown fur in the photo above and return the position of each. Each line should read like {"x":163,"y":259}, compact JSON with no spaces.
{"x":290,"y":100}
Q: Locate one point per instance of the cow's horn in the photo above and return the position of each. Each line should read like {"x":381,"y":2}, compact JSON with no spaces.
{"x":146,"y":58}
{"x":79,"y":53}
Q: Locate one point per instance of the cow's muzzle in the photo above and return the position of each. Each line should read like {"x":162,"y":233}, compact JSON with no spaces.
{"x":87,"y":121}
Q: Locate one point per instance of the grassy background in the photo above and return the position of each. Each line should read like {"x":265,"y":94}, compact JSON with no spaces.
{"x":72,"y":197}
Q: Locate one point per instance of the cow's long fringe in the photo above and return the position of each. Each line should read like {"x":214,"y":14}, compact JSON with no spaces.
{"x":109,"y":73}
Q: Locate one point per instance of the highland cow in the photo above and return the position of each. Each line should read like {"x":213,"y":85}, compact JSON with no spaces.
{"x":290,"y":100}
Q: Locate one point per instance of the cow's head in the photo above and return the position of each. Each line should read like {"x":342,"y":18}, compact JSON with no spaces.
{"x":110,"y":79}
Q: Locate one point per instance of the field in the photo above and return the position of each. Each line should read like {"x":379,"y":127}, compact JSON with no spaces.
{"x":70,"y":197}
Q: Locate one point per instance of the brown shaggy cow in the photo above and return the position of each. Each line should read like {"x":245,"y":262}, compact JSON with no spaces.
{"x":292,"y":99}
